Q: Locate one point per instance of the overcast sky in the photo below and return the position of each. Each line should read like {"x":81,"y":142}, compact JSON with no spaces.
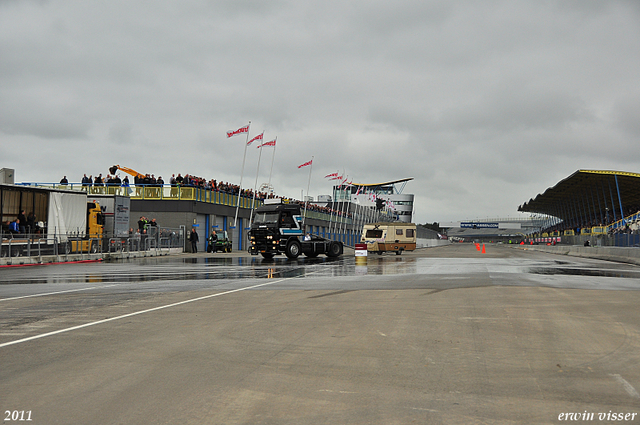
{"x":484,"y":103}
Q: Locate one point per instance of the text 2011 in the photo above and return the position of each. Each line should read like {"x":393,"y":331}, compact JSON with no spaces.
{"x":17,"y":415}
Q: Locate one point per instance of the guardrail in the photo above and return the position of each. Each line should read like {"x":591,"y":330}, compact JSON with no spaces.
{"x":186,"y":193}
{"x":63,"y":246}
{"x":623,"y":222}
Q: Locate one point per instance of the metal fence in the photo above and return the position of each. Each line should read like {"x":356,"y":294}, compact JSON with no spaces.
{"x":40,"y":245}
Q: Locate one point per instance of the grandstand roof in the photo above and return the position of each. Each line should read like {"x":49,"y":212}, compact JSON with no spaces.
{"x":382,"y":184}
{"x":588,"y":187}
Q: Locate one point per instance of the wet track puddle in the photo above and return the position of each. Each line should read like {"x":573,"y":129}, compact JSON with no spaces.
{"x":235,"y":268}
{"x":584,"y":272}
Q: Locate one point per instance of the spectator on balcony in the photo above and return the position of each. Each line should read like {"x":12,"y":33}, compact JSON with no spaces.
{"x":126,"y":185}
{"x":64,"y":180}
{"x":86,"y":181}
{"x":174,"y":185}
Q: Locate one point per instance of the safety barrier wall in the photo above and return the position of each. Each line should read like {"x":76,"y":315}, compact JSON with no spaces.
{"x":614,"y":239}
{"x":609,"y":253}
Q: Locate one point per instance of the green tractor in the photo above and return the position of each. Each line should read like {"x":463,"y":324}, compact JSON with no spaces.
{"x":220,"y":242}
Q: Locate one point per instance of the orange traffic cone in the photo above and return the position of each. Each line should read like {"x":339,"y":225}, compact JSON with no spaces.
{"x":483,"y":251}
{"x":478,"y":246}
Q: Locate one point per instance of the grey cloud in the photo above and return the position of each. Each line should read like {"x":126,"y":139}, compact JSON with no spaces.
{"x":481,"y":102}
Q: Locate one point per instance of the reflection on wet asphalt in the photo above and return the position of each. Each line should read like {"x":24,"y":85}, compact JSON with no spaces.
{"x":585,"y":272}
{"x":244,"y":267}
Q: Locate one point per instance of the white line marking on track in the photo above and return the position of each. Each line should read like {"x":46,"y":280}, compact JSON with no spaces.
{"x":162,"y":307}
{"x":626,"y":385}
{"x":54,"y":293}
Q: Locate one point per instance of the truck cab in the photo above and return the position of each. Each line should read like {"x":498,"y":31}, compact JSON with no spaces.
{"x":92,"y":239}
{"x":277,"y":228}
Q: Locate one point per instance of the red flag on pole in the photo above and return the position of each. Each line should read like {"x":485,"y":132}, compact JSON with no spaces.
{"x":241,"y":130}
{"x":305,"y":164}
{"x":331,"y":175}
{"x":258,"y":137}
{"x":271,"y":143}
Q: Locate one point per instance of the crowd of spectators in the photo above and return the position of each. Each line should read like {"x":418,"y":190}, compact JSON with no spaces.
{"x":189,"y":180}
{"x":100,"y":181}
{"x":225,"y":187}
{"x":630,"y":226}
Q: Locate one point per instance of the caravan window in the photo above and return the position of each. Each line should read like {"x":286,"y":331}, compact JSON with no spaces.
{"x":411,"y":233}
{"x":373,"y":234}
{"x":399,"y":232}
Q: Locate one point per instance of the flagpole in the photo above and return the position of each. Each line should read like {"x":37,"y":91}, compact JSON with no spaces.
{"x":336,"y":207}
{"x":331,"y":210}
{"x":255,"y":186}
{"x":358,"y":214}
{"x":330,"y":218}
{"x":343,"y":222}
{"x":235,"y":220}
{"x":273,"y":156}
{"x":307,"y":202}
{"x":331,"y":213}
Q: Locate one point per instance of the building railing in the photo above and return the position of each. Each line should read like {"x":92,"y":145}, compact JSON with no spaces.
{"x":624,"y":225}
{"x":185,"y":193}
{"x":623,"y":222}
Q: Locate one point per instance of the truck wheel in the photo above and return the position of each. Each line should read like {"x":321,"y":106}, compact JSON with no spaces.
{"x":293,"y":250}
{"x":94,"y":247}
{"x":229,"y":248}
{"x":335,"y":249}
{"x":267,"y":255}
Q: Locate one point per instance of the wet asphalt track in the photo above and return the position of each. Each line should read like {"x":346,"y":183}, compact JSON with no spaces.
{"x":441,"y":335}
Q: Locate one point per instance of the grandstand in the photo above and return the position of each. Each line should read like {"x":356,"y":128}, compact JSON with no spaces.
{"x":592,"y":204}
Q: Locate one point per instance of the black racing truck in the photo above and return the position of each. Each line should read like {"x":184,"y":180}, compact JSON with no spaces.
{"x":277,"y":229}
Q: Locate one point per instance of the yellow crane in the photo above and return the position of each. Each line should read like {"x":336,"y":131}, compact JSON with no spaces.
{"x":134,"y":173}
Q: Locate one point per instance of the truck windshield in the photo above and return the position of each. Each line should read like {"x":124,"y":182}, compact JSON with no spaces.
{"x":266,"y":218}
